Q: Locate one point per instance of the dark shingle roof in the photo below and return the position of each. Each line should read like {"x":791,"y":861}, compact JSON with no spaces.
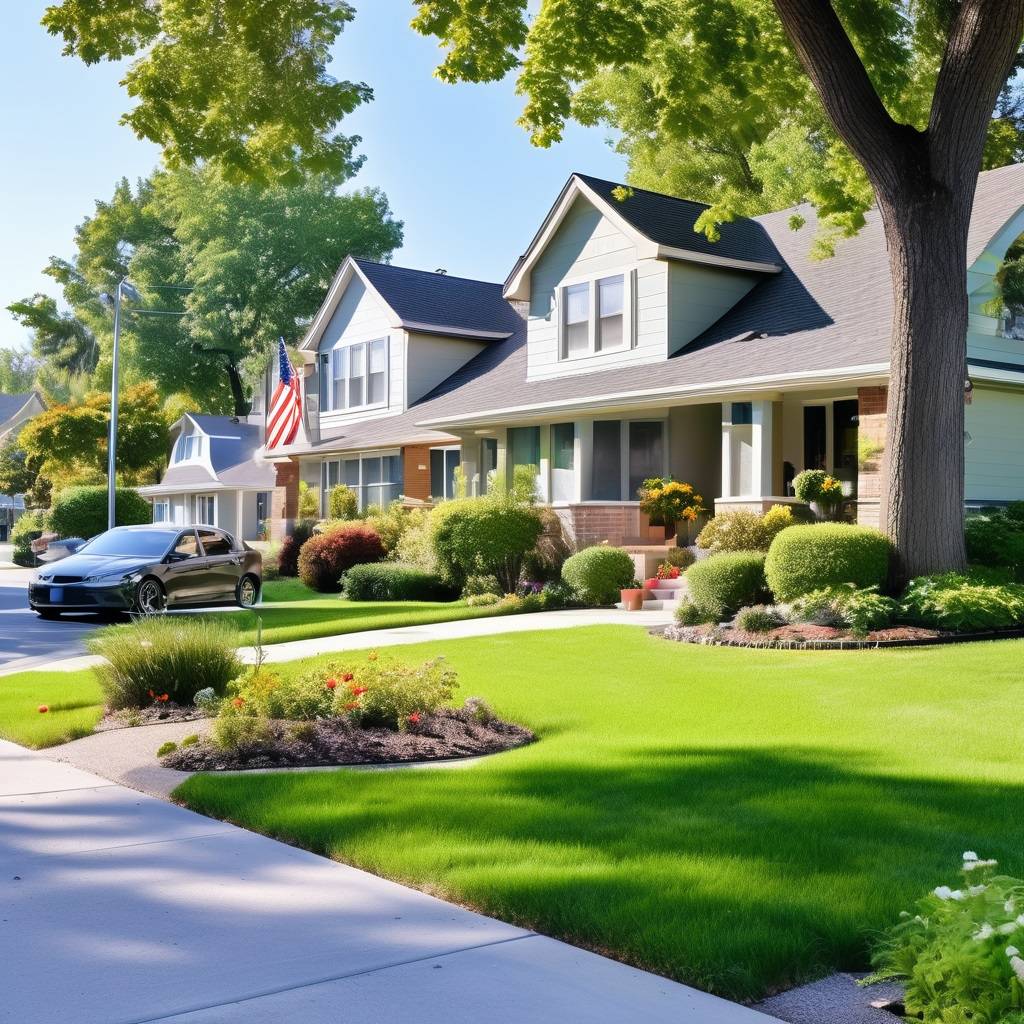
{"x":434,"y":302}
{"x":669,"y":221}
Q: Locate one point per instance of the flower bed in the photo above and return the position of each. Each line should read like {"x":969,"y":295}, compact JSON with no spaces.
{"x":445,"y":734}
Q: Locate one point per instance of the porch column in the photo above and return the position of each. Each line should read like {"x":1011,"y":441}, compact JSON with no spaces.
{"x":727,"y":449}
{"x":584,"y":459}
{"x":544,"y":469}
{"x":764,"y":448}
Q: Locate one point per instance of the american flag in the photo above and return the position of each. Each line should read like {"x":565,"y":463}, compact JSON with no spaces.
{"x":285,"y":405}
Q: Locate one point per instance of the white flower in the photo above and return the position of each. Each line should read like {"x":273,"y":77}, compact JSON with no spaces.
{"x":943,"y":892}
{"x":1009,"y":928}
{"x":1018,"y":967}
{"x":970,"y":855}
{"x":970,"y":865}
{"x":976,"y":890}
{"x":1008,"y":906}
{"x":1012,"y":951}
{"x":986,"y":931}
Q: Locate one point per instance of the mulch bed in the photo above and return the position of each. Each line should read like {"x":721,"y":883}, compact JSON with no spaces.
{"x":336,"y":741}
{"x":157,"y":714}
{"x":807,"y":637}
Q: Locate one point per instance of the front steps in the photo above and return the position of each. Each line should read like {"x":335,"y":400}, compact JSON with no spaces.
{"x":666,"y":596}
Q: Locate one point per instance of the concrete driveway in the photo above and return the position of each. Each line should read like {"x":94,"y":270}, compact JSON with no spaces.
{"x":120,"y":908}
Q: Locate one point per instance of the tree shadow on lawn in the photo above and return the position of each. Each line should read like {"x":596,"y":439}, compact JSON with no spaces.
{"x":741,"y":870}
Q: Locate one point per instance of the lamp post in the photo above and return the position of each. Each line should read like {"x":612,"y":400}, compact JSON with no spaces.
{"x":128,"y":291}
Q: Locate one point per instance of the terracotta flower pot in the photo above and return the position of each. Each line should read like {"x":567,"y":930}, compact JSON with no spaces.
{"x":632,"y":599}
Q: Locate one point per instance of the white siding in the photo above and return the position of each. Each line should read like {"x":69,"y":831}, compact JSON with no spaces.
{"x":361,"y":317}
{"x":587,"y":244}
{"x":995,"y":452}
{"x":698,"y":296}
{"x":983,"y":338}
{"x":432,"y":359}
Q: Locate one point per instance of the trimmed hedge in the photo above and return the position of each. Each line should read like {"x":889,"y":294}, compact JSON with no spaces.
{"x":995,"y":537}
{"x":391,"y":581}
{"x":806,"y":558}
{"x":28,"y":527}
{"x":722,"y":584}
{"x":82,"y":511}
{"x":598,"y":574}
{"x":326,"y":557}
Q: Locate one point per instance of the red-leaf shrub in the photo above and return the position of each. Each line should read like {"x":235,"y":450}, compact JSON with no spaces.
{"x":326,"y":557}
{"x":288,"y":556}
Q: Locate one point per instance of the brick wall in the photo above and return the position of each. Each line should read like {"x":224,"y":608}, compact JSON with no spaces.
{"x":416,"y":472}
{"x":871,"y":408}
{"x":618,"y":524}
{"x":284,"y":499}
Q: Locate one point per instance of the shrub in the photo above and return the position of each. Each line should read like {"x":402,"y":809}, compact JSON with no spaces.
{"x":995,"y":537}
{"x":176,"y":656}
{"x":689,"y":614}
{"x":231,"y":731}
{"x":288,"y":556}
{"x":30,"y":526}
{"x":545,"y":561}
{"x":759,"y":618}
{"x":958,"y":956}
{"x":598,"y":574}
{"x":82,"y":511}
{"x":484,"y":535}
{"x":415,"y":546}
{"x":169,"y":747}
{"x":482,"y":600}
{"x":265,"y":694}
{"x":681,"y":558}
{"x":743,"y":530}
{"x":326,"y":557}
{"x":955,"y":602}
{"x":342,"y":503}
{"x":557,"y":595}
{"x":481,"y":584}
{"x":390,"y":522}
{"x":391,"y":581}
{"x":724,"y":583}
{"x":309,"y":501}
{"x":817,"y":485}
{"x":806,"y":558}
{"x":846,"y":606}
{"x":271,"y":569}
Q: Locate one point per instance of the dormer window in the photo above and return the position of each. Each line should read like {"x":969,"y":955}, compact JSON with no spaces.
{"x":189,"y":446}
{"x":359,"y":376}
{"x":594,"y":316}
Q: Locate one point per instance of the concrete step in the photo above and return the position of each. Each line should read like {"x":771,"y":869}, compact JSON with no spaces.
{"x":673,"y":585}
{"x":656,"y":604}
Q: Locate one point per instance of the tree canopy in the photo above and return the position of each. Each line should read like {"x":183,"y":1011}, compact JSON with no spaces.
{"x":238,"y":83}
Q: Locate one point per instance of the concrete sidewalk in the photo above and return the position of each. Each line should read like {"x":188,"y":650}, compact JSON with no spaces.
{"x":121,"y":909}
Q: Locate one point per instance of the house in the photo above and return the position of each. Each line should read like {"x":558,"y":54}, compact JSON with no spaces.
{"x":623,"y":345}
{"x":15,"y":410}
{"x":216,"y":476}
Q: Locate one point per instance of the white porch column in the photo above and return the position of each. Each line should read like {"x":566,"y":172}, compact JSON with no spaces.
{"x":584,"y":459}
{"x":727,"y":449}
{"x":544,"y":469}
{"x":761,"y":468}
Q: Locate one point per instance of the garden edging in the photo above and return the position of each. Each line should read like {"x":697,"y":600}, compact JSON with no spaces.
{"x":688,"y":635}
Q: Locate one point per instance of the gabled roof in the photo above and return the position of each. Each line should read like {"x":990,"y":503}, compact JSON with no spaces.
{"x":11,"y":405}
{"x":421,"y":301}
{"x":659,"y":226}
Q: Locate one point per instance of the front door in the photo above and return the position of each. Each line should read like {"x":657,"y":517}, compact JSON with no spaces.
{"x":563,"y":462}
{"x":844,"y":444}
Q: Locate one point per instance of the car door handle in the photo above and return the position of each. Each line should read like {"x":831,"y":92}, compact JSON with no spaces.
{"x":236,"y":561}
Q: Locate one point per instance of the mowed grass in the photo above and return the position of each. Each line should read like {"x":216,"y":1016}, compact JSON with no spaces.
{"x":74,"y":701}
{"x":291,"y":611}
{"x":738,"y":820}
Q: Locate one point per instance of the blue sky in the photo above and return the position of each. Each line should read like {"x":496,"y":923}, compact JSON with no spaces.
{"x":454,"y":164}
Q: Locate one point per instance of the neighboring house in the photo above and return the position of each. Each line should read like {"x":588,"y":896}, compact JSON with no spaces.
{"x":15,"y":410}
{"x":217,"y":477}
{"x":624,"y":345}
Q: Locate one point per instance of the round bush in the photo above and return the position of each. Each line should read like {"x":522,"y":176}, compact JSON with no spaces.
{"x":723,"y":583}
{"x":598,"y":574}
{"x":758,"y":618}
{"x":82,"y":511}
{"x":326,"y":557}
{"x":28,"y":527}
{"x":389,"y":581}
{"x":806,"y":558}
{"x":342,"y":503}
{"x":288,"y":556}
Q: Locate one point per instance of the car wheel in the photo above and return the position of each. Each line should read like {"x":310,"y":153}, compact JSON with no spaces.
{"x":47,"y":613}
{"x":150,"y":598}
{"x":248,"y":591}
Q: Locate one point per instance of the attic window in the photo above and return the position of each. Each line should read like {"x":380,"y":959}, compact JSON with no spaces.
{"x":359,"y":376}
{"x":595,"y":316}
{"x":189,"y":446}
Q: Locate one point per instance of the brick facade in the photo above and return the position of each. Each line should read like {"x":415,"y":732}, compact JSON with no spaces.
{"x":284,"y":500}
{"x":416,"y":472}
{"x":871,"y":407}
{"x":618,"y":523}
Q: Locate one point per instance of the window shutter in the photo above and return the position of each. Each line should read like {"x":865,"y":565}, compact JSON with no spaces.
{"x":556,"y":315}
{"x":629,"y":305}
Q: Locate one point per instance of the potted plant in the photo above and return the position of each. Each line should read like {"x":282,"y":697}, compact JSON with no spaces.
{"x":632,"y":597}
{"x":823,"y":492}
{"x":667,"y":502}
{"x":668,"y":572}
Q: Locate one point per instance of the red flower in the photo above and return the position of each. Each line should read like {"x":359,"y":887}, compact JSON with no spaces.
{"x":238,"y":702}
{"x":164,"y":697}
{"x":331,"y":684}
{"x":43,"y":708}
{"x":347,"y":677}
{"x":352,"y":705}
{"x":151,"y":694}
{"x":357,"y":690}
{"x":414,"y":718}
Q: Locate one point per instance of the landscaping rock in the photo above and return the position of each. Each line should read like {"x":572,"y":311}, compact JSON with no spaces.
{"x":837,"y":999}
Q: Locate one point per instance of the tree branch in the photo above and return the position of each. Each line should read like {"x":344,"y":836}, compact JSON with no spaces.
{"x":851,"y":103}
{"x":980,"y":53}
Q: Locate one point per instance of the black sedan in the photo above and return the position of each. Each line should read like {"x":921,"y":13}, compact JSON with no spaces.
{"x":145,"y":569}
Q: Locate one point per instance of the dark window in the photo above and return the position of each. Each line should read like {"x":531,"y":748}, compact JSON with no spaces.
{"x":845,"y":419}
{"x":646,"y":454}
{"x":214,"y":542}
{"x":443,"y":462}
{"x":524,"y":446}
{"x":815,"y":437}
{"x":742,"y":413}
{"x":488,"y":461}
{"x":606,"y":484}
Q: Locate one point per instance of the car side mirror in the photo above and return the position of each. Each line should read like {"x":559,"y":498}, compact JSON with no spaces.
{"x":177,"y":556}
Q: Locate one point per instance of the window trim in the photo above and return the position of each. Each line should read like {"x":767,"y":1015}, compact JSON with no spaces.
{"x":445,"y":449}
{"x":203,"y":497}
{"x":342,"y":354}
{"x":181,"y":445}
{"x":361,"y":487}
{"x":629,"y":317}
{"x":163,"y":503}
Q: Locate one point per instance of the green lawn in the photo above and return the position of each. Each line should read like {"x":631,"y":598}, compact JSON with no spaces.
{"x":739,"y":820}
{"x":73,"y":698}
{"x":294,"y":612}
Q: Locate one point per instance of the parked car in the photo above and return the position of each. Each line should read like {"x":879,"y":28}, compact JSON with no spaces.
{"x":145,"y":569}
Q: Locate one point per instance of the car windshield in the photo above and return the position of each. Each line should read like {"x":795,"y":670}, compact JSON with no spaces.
{"x":129,"y":543}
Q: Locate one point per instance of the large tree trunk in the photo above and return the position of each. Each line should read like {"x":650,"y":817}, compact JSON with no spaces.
{"x":923,"y":501}
{"x":241,"y":403}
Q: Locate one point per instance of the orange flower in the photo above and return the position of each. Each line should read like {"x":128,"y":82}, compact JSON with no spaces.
{"x":164,"y":697}
{"x":331,"y":684}
{"x":357,"y":690}
{"x":414,"y":718}
{"x":352,"y":705}
{"x":43,"y":708}
{"x":347,"y":677}
{"x":238,"y":702}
